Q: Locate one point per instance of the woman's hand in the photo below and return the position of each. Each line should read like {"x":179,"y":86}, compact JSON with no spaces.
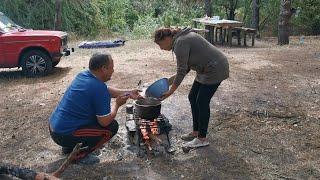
{"x":168,"y":93}
{"x":165,"y":95}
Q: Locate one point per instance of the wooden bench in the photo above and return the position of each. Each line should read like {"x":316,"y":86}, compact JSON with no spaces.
{"x":204,"y":32}
{"x":246,"y":31}
{"x":200,"y":30}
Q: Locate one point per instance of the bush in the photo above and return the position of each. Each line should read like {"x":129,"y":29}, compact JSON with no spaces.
{"x":144,"y":27}
{"x":307,"y":19}
{"x":139,"y":18}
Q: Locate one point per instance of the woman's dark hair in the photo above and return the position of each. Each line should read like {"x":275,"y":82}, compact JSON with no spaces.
{"x":98,"y":60}
{"x":161,"y":33}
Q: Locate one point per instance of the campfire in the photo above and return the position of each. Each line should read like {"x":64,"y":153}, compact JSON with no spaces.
{"x":147,"y":133}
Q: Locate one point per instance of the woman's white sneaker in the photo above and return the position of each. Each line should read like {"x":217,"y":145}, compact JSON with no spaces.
{"x":196,"y":142}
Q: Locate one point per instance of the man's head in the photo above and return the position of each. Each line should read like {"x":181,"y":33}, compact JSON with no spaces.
{"x":101,"y":65}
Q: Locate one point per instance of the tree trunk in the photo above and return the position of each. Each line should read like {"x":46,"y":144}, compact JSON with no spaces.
{"x":284,"y":19}
{"x":57,"y":19}
{"x":208,"y":8}
{"x":231,"y":14}
{"x":246,"y":9}
{"x":232,"y":9}
{"x":255,"y":15}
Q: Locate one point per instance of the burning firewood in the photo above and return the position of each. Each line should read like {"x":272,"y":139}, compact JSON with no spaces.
{"x":147,"y":131}
{"x":156,"y":139}
{"x":28,"y":174}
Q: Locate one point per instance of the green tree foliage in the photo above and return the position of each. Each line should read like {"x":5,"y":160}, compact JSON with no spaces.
{"x":139,"y":18}
{"x":31,"y":13}
{"x":307,"y":17}
{"x":88,"y":18}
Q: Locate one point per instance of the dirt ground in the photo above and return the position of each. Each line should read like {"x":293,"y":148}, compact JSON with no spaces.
{"x":264,"y":119}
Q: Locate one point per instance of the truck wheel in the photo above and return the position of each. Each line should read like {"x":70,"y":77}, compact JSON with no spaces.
{"x":36,"y":63}
{"x":54,"y":64}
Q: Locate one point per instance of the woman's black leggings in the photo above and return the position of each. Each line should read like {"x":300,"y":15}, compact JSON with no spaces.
{"x":200,"y":96}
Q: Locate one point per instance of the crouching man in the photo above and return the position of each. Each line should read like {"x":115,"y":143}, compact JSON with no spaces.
{"x":84,"y":113}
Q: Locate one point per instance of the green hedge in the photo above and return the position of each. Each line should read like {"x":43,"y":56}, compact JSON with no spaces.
{"x":139,"y":18}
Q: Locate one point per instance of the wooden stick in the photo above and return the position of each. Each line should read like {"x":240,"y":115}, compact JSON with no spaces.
{"x":68,"y":161}
{"x":148,"y":143}
{"x":31,"y":174}
{"x":155,"y":138}
{"x":45,"y":176}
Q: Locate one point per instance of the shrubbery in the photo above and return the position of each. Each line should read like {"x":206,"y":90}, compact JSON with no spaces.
{"x":139,"y":18}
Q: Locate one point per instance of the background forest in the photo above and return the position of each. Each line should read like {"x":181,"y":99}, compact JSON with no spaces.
{"x":139,"y":18}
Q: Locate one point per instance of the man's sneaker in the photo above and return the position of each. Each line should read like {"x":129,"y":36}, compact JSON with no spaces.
{"x":195,"y":143}
{"x":66,"y":150}
{"x":188,"y":137}
{"x":90,"y":159}
{"x":97,"y":152}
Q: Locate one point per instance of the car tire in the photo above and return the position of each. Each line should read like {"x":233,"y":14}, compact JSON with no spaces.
{"x":54,"y":64}
{"x":36,"y":63}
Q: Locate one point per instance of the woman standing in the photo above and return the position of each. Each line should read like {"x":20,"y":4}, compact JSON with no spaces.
{"x":196,"y":53}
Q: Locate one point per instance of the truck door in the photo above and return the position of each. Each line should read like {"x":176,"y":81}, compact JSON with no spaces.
{"x":1,"y":50}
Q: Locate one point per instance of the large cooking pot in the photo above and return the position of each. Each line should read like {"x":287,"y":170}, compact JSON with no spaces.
{"x":147,"y":108}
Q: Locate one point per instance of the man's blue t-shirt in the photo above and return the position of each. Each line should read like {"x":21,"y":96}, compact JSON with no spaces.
{"x":86,"y":98}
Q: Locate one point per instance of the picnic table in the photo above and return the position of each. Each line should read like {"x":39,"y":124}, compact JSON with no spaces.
{"x":225,"y":28}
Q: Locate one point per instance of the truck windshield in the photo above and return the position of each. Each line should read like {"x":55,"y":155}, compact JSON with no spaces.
{"x":7,"y":24}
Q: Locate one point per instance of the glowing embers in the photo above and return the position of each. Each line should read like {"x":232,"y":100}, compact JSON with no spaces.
{"x":148,"y":129}
{"x":148,"y":134}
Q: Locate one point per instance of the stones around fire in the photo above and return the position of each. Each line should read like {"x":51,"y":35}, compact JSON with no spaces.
{"x":186,"y":149}
{"x":147,"y":135}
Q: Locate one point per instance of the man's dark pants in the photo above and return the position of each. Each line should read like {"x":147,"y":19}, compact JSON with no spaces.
{"x":92,"y":137}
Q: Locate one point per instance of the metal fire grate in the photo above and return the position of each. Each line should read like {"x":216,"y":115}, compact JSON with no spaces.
{"x":147,"y":132}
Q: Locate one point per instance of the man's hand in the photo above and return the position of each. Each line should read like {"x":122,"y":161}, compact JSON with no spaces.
{"x":122,"y":99}
{"x":106,"y":120}
{"x":135,"y":94}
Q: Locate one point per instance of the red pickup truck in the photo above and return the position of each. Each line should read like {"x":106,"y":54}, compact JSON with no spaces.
{"x":36,"y":51}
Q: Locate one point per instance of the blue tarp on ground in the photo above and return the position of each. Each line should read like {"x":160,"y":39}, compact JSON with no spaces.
{"x":101,"y":44}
